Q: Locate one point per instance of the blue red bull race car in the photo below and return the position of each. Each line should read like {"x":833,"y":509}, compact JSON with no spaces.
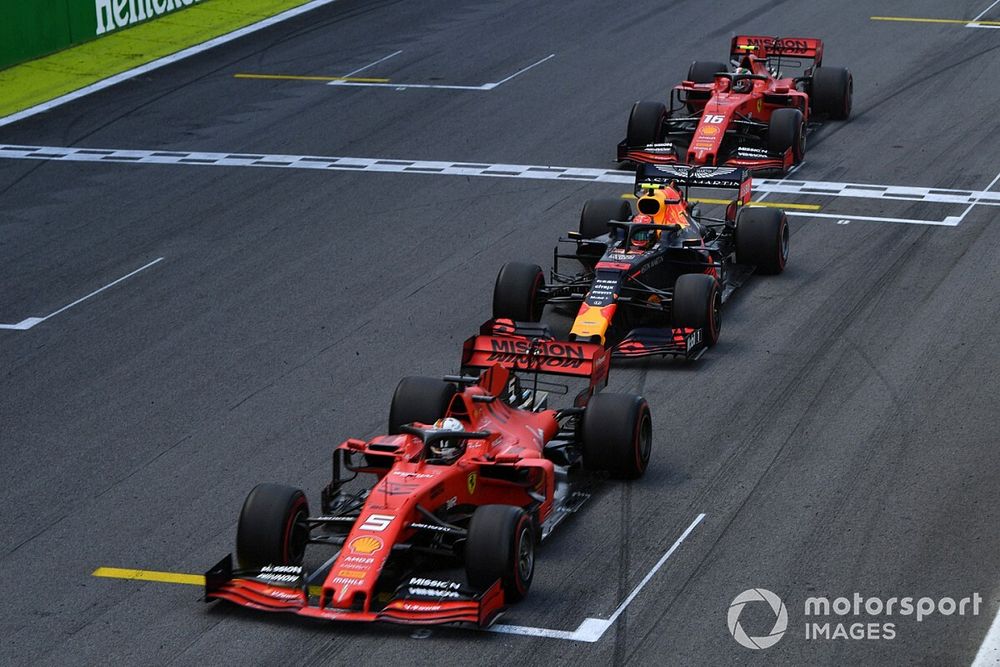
{"x":652,"y":283}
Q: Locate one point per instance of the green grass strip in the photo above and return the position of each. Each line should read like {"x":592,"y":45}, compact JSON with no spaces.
{"x":46,"y":78}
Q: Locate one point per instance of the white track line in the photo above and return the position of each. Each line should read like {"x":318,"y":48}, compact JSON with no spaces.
{"x":163,"y":62}
{"x":975,"y":199}
{"x":763,"y":187}
{"x":372,"y":64}
{"x":984,"y":12}
{"x":950,"y":221}
{"x":592,"y":629}
{"x":29,"y":322}
{"x":402,"y":86}
{"x":989,"y":651}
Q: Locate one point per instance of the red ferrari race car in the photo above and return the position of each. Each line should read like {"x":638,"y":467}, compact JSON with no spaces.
{"x":475,"y":471}
{"x":753,"y":115}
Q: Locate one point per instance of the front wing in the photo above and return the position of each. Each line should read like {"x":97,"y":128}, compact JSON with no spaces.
{"x":751,"y":158}
{"x":652,"y":342}
{"x":429,"y":607}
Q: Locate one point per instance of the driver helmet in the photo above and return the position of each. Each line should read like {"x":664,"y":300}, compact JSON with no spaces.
{"x":447,"y":449}
{"x":742,"y":85}
{"x":643,"y":239}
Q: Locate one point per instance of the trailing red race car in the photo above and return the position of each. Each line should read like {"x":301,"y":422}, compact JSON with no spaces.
{"x":476,"y":470}
{"x":753,"y":115}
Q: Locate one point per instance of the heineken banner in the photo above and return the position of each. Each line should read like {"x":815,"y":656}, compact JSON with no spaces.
{"x":32,"y":28}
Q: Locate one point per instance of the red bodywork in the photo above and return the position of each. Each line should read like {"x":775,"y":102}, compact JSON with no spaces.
{"x":719,"y":107}
{"x":395,"y":509}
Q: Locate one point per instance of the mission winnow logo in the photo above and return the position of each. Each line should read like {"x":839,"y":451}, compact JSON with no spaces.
{"x":115,"y":14}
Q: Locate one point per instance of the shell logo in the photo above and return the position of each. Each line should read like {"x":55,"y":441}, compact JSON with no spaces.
{"x":709,"y":130}
{"x":366,"y":545}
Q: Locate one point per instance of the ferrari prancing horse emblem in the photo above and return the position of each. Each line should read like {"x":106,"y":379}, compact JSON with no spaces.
{"x":471,"y":483}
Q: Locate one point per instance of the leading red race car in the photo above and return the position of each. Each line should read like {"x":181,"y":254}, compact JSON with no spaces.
{"x":475,"y":470}
{"x":753,"y":115}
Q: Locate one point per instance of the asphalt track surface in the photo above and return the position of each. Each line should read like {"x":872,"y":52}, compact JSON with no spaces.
{"x":841,"y":437}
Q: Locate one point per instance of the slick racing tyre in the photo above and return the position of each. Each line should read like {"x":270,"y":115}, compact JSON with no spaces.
{"x":501,"y":545}
{"x":645,"y":123}
{"x":597,"y":212}
{"x":787,"y":130}
{"x":419,"y":399}
{"x":832,"y":92}
{"x":617,"y":435}
{"x":697,"y":304}
{"x":704,"y":71}
{"x":272,"y":529}
{"x":594,"y":222}
{"x":517,"y":292}
{"x":762,"y":239}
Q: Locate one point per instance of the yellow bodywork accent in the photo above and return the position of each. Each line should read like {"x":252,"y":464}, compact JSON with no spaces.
{"x":590,"y":323}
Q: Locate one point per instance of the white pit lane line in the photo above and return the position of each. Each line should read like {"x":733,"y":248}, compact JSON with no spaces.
{"x":592,"y":629}
{"x":763,"y":187}
{"x":30,"y":322}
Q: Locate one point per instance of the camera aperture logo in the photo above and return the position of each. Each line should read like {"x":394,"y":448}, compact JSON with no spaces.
{"x":780,"y":618}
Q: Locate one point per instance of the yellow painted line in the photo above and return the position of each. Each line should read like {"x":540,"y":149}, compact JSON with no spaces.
{"x":165,"y":577}
{"x":293,"y":77}
{"x":150,"y":575}
{"x":49,"y":77}
{"x":910,"y":19}
{"x":759,"y":204}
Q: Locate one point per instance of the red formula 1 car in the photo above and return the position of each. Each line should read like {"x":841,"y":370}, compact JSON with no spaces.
{"x":753,"y":115}
{"x":476,"y":470}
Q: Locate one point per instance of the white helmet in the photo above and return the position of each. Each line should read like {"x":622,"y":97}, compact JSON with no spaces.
{"x":448,"y":449}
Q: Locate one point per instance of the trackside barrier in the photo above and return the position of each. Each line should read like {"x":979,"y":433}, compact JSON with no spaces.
{"x":33,"y":28}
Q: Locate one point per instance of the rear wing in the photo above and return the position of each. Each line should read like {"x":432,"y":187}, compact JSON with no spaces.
{"x":791,"y":47}
{"x":531,"y":348}
{"x":736,"y":179}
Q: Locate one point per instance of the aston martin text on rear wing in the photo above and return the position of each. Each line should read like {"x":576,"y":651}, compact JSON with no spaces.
{"x":736,"y":179}
{"x":792,"y":47}
{"x":530,"y":348}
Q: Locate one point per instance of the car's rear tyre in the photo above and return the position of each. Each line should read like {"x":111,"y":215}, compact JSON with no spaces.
{"x":832,"y":92}
{"x":762,"y":239}
{"x":704,"y":71}
{"x":419,"y":399}
{"x":645,"y":123}
{"x":617,"y":432}
{"x":594,"y":222}
{"x":501,"y":545}
{"x":787,"y":130}
{"x":697,"y":304}
{"x":272,"y":529}
{"x":517,"y":292}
